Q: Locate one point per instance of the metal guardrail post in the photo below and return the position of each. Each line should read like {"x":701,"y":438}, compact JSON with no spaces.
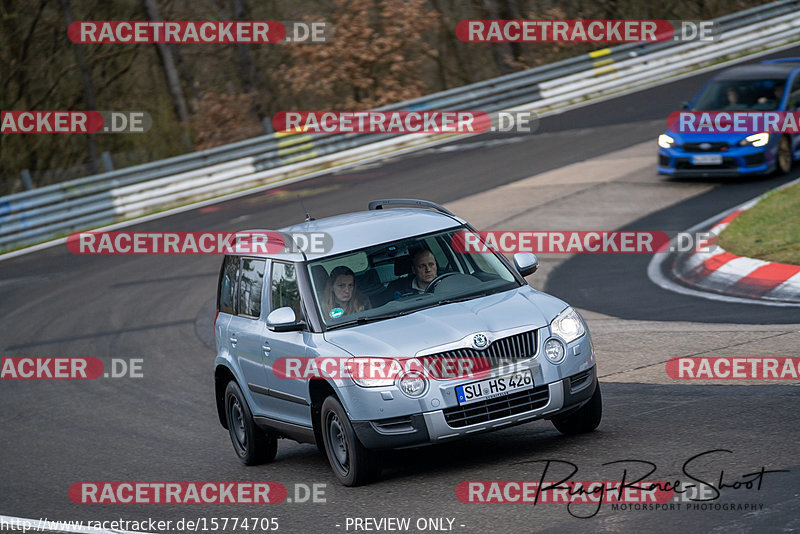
{"x":26,"y":179}
{"x":108,"y":165}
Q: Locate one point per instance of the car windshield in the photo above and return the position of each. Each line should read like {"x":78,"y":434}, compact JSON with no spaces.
{"x":724,"y":95}
{"x":399,"y":277}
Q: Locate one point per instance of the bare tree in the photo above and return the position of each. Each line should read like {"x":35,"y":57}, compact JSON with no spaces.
{"x":252,"y":80}
{"x":503,"y":52}
{"x":87,"y":82}
{"x":170,"y":72}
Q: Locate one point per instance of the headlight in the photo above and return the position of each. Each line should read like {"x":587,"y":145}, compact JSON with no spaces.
{"x":759,"y":139}
{"x":568,"y":325}
{"x":665,"y":141}
{"x":554,"y":350}
{"x":368,"y":374}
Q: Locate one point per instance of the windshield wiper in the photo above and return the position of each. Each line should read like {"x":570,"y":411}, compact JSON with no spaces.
{"x":365,"y":320}
{"x":464,"y":298}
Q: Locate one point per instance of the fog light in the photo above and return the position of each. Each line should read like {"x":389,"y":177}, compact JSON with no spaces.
{"x":554,"y":350}
{"x":413,"y":385}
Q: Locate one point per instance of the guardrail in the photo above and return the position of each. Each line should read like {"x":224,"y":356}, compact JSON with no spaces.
{"x":93,"y":201}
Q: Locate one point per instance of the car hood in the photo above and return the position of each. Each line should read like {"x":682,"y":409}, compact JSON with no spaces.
{"x":406,"y":335}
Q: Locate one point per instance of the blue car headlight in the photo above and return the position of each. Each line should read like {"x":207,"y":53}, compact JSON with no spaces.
{"x":665,"y":141}
{"x":757,"y":140}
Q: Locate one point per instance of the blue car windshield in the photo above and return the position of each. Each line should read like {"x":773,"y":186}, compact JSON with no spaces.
{"x":399,"y":277}
{"x":744,"y":95}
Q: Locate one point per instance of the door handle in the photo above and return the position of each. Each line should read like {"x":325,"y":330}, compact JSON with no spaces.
{"x":266,"y":347}
{"x":234,"y":339}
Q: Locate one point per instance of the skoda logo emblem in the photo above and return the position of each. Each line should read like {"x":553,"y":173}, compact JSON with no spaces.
{"x":705,"y":146}
{"x":480,"y":341}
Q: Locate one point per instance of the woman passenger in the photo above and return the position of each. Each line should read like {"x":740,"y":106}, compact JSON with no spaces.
{"x":341,"y":296}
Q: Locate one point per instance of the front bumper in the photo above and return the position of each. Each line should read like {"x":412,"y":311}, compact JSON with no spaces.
{"x":543,"y":402}
{"x":735,"y":161}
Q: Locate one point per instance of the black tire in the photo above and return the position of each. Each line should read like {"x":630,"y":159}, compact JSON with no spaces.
{"x":251,"y":444}
{"x":783,"y":159}
{"x":352,"y":463}
{"x":584,"y":419}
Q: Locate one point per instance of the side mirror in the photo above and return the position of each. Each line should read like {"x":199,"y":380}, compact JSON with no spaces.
{"x":283,"y":320}
{"x":685,"y":104}
{"x":526,"y":263}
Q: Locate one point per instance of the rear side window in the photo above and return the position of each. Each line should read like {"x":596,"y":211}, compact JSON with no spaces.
{"x":794,"y":92}
{"x":227,"y":285}
{"x":251,"y":285}
{"x":284,"y":291}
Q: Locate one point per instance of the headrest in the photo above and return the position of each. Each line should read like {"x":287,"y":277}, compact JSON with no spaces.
{"x":402,"y":266}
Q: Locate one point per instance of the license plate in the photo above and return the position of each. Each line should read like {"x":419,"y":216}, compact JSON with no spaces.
{"x":707,"y":159}
{"x":494,"y":387}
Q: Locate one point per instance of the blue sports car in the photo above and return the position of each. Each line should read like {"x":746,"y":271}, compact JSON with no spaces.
{"x":772,"y":85}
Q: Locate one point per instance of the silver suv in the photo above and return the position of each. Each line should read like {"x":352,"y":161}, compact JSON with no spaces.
{"x":294,"y":330}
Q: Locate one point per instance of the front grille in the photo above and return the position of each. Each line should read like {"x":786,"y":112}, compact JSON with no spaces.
{"x":713,"y":147}
{"x":500,"y":352}
{"x":489,"y":410}
{"x":686,"y":163}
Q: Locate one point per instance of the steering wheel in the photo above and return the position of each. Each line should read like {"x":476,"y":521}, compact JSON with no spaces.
{"x":436,"y":280}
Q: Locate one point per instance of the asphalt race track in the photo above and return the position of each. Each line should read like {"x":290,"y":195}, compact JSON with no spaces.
{"x":164,"y":427}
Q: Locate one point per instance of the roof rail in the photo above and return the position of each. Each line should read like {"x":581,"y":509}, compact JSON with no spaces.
{"x":783,"y":60}
{"x":379,"y":204}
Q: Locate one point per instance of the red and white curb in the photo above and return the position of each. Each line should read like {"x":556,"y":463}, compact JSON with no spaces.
{"x":713,"y":269}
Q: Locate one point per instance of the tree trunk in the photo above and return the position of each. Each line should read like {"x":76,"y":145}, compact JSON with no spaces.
{"x":87,"y":82}
{"x":502,"y":52}
{"x":170,"y":71}
{"x":252,"y":80}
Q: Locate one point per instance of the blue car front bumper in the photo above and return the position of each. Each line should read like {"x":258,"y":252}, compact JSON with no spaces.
{"x":733,"y":160}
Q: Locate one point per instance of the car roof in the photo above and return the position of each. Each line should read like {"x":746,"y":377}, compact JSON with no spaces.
{"x":353,"y":231}
{"x":758,"y":71}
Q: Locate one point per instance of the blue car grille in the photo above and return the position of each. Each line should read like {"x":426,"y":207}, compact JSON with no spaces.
{"x":712,"y":147}
{"x":497,"y":408}
{"x":686,"y":163}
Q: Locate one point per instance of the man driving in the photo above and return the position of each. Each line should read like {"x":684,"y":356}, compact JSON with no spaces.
{"x":424,"y":269}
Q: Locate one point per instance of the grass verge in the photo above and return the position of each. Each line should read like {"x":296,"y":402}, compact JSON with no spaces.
{"x":769,"y":231}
